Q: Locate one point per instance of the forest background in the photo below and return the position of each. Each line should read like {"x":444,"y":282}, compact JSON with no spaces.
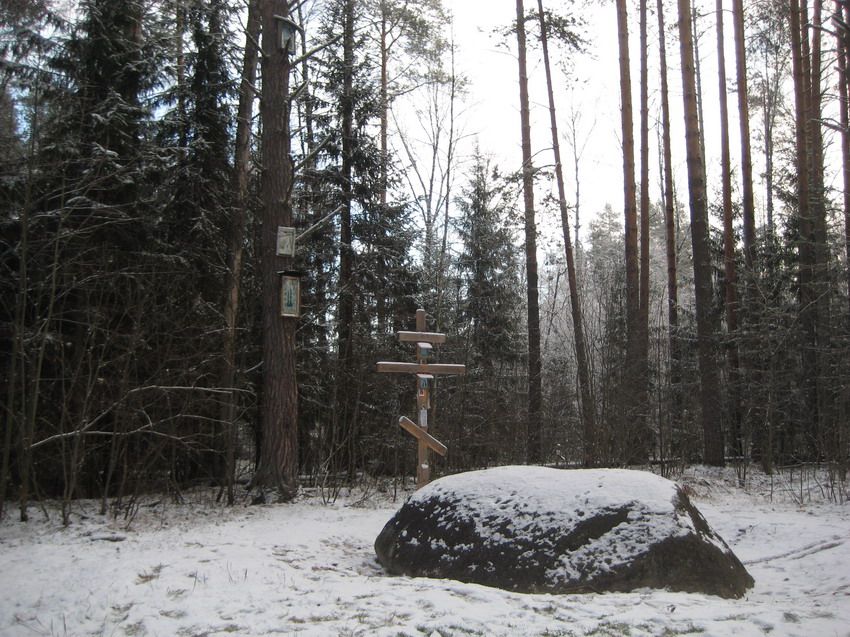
{"x":150,"y":150}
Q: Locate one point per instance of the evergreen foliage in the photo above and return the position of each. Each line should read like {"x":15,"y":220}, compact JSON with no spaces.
{"x":489,"y":315}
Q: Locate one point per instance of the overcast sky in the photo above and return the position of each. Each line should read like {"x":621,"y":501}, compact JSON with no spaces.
{"x":494,"y":104}
{"x":594,"y":95}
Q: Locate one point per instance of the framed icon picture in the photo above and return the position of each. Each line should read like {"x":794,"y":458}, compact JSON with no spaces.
{"x":290,"y":295}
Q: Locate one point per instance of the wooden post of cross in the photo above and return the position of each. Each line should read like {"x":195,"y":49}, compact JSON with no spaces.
{"x":425,"y":373}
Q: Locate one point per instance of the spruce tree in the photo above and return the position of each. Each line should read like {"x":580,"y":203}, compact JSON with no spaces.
{"x":358,"y":279}
{"x":490,"y":312}
{"x":87,"y":216}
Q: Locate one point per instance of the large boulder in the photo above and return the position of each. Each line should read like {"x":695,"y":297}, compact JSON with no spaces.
{"x":535,"y":529}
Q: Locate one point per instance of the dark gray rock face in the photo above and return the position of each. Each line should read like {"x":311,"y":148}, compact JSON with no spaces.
{"x":540,"y":530}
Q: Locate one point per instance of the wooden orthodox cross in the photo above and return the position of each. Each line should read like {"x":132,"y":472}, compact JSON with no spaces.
{"x":425,"y":373}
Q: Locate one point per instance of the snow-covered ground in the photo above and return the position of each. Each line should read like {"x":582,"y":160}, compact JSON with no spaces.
{"x":308,"y":568}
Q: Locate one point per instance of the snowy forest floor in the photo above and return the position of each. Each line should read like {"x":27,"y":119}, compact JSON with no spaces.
{"x":308,"y":568}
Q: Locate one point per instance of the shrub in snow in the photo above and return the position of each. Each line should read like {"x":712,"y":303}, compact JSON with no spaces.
{"x":535,"y":529}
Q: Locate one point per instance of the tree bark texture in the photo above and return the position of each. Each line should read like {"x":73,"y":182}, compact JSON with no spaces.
{"x":842,"y":35}
{"x":669,"y":222}
{"x":643,"y":437}
{"x":823,"y":333}
{"x":729,"y":267}
{"x":385,"y":102}
{"x":343,"y":407}
{"x":632,"y":373}
{"x":588,"y":408}
{"x":747,"y":196}
{"x":805,"y":243}
{"x":440,"y":275}
{"x":807,"y":240}
{"x":695,"y":42}
{"x":843,"y":47}
{"x":239,"y":218}
{"x":712,"y":428}
{"x":278,"y":458}
{"x":535,"y":389}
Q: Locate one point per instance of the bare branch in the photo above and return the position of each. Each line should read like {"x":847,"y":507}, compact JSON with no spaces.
{"x":315,"y":50}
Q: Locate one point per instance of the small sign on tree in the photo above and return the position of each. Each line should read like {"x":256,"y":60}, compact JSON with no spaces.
{"x":285,"y":241}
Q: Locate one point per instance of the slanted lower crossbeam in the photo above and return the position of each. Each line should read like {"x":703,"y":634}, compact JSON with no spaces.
{"x":422,"y":436}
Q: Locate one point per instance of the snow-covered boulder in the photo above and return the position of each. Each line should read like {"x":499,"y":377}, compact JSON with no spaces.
{"x":535,"y":529}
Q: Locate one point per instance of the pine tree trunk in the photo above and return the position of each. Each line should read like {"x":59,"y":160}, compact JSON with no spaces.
{"x":769,"y":110}
{"x":643,"y":437}
{"x":695,"y":35}
{"x":670,"y":227}
{"x":384,"y":102}
{"x":588,"y":408}
{"x":806,"y":241}
{"x":632,"y":372}
{"x":823,"y":330}
{"x":535,"y":389}
{"x":381,"y":301}
{"x":278,"y":462}
{"x":239,"y":218}
{"x":343,"y":409}
{"x":440,"y":279}
{"x":745,"y":287}
{"x":747,"y":196}
{"x":729,"y":268}
{"x":576,"y":171}
{"x":713,"y":451}
{"x":842,"y":36}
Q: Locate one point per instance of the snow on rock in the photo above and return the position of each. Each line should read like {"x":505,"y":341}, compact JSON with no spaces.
{"x":535,"y":529}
